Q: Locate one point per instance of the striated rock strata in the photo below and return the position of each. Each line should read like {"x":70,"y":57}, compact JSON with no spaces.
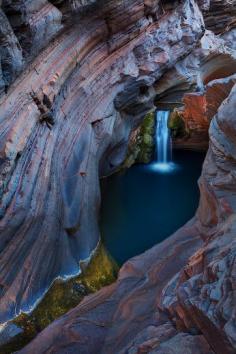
{"x":166,"y":301}
{"x":65,"y":121}
{"x":199,"y":109}
{"x":76,"y":79}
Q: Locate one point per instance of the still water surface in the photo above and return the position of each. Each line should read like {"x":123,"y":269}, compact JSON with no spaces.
{"x":145,"y":205}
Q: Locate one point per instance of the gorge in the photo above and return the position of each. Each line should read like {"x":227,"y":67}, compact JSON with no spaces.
{"x":77,"y":79}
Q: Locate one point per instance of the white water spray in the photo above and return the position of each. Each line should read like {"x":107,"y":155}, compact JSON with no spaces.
{"x":163,"y":161}
{"x":163,"y":139}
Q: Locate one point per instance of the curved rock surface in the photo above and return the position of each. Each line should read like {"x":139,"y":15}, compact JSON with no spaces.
{"x":205,"y":290}
{"x":199,"y":109}
{"x":165,"y":301}
{"x":125,"y":314}
{"x":66,"y":121}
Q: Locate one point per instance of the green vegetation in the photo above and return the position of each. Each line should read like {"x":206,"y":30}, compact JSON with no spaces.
{"x":177,"y":125}
{"x":141,"y":148}
{"x":62,"y":296}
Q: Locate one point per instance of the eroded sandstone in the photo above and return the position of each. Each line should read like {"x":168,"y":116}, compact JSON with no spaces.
{"x":165,"y":301}
{"x":66,"y":121}
{"x":73,"y":108}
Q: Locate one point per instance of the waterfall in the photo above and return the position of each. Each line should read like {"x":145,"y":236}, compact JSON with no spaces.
{"x":163,"y":139}
{"x":163,"y":143}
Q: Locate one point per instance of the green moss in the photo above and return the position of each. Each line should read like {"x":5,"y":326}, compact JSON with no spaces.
{"x":141,"y":148}
{"x":102,"y":270}
{"x":62,"y":296}
{"x":146,"y":139}
{"x":177,"y":125}
{"x":132,"y":154}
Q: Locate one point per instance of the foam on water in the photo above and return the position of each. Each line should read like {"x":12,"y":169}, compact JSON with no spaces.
{"x":163,"y":167}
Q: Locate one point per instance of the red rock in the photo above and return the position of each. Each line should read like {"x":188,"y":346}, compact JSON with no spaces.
{"x":95,"y":81}
{"x":126,"y":314}
{"x":200,"y":108}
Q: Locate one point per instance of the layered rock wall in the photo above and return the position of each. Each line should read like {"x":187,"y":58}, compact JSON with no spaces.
{"x":204,"y":294}
{"x":180,"y":295}
{"x":65,"y":121}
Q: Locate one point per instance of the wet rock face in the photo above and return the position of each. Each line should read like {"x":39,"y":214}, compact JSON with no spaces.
{"x":141,"y":147}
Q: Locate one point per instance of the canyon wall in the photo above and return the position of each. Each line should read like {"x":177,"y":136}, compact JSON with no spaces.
{"x":178,"y":296}
{"x":66,"y":120}
{"x":76,"y":79}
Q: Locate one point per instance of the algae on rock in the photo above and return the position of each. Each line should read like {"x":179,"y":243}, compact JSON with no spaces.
{"x":62,"y":296}
{"x":142,"y":143}
{"x":146,"y":139}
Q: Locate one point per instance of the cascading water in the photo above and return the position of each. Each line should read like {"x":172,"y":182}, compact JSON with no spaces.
{"x":163,"y":161}
{"x":163,"y":138}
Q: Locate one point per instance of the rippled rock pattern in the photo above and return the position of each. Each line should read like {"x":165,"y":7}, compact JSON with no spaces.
{"x":166,"y":301}
{"x":76,"y":78}
{"x":66,"y":121}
